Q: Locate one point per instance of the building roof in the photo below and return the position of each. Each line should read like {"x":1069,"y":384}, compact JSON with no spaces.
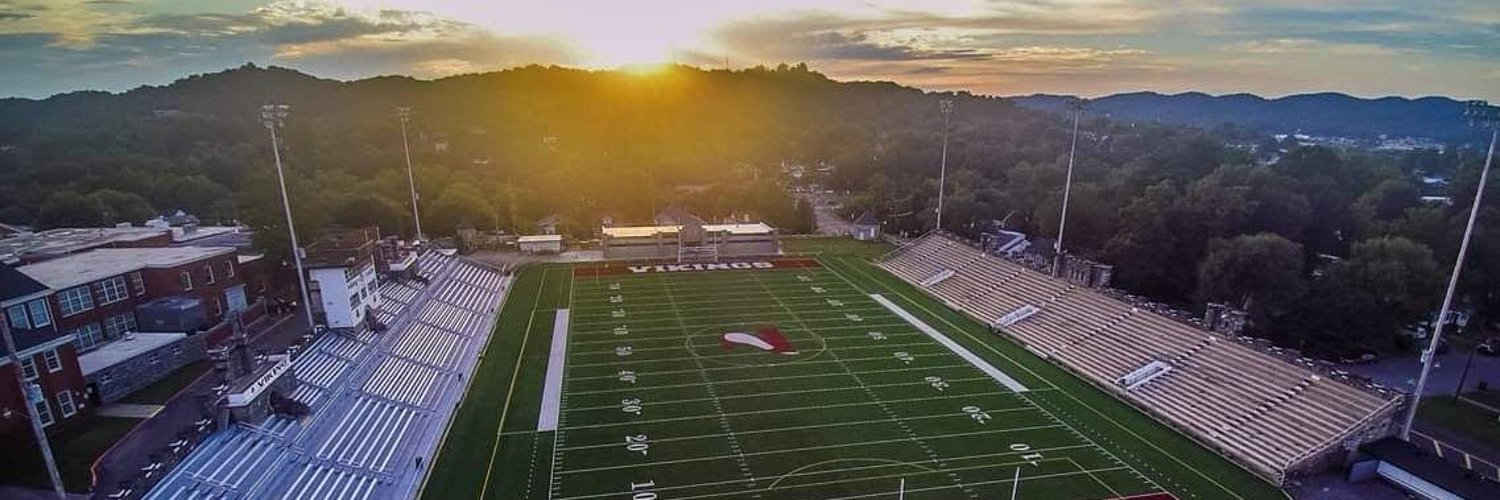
{"x":867,"y":219}
{"x":15,"y":284}
{"x":78,"y":269}
{"x":648,"y":231}
{"x":124,"y":350}
{"x":1430,"y":468}
{"x":63,"y":241}
{"x":540,"y":238}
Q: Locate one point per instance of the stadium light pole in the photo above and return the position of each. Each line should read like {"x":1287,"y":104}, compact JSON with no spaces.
{"x":1481,"y":114}
{"x":945,"y":107}
{"x":29,"y":393}
{"x":1062,"y":223}
{"x":272,"y":115}
{"x":404,"y":113}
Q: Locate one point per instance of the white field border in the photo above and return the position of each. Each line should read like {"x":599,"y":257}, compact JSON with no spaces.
{"x":962,"y":352}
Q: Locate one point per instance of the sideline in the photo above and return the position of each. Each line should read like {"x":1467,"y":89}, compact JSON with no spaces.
{"x":961,"y":351}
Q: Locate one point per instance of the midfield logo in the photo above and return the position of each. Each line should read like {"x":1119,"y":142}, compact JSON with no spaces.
{"x":726,"y":266}
{"x":767,"y":338}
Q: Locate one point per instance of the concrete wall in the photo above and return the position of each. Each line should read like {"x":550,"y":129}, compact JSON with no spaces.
{"x":133,"y":375}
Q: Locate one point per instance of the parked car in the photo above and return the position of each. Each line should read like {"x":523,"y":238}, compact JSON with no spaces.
{"x":1489,"y":347}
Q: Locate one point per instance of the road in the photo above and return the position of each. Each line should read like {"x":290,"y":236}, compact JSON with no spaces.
{"x":828,"y":223}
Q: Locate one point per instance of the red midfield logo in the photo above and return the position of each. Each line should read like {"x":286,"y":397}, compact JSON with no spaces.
{"x":767,"y":338}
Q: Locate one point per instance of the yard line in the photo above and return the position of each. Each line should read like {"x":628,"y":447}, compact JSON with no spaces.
{"x":640,"y":388}
{"x":758,"y":379}
{"x":995,"y":481}
{"x":921,"y":383}
{"x":802,"y":363}
{"x":819,"y":447}
{"x":861,"y":325}
{"x":728,"y":368}
{"x":616,"y":444}
{"x":774,"y":410}
{"x":749,"y":354}
{"x":899,"y":331}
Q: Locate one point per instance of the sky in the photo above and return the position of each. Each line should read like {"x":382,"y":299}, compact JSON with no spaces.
{"x":1082,"y":47}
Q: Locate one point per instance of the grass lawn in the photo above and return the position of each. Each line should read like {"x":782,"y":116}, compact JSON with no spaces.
{"x":75,"y":451}
{"x":162,"y":390}
{"x":1463,"y":418}
{"x":840,"y":246}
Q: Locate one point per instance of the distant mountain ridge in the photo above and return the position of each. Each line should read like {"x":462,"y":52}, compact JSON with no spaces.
{"x":1324,"y":114}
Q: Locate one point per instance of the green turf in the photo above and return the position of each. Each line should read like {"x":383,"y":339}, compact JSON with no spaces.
{"x":845,"y":417}
{"x":841,"y":246}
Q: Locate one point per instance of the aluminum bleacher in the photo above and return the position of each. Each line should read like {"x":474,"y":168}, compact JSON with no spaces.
{"x":378,"y":400}
{"x":1276,"y":418}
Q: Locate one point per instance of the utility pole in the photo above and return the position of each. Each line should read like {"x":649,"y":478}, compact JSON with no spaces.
{"x":1480,"y":114}
{"x":31,"y":393}
{"x":1062,"y":223}
{"x":404,"y":113}
{"x":945,"y":107}
{"x":272,"y":115}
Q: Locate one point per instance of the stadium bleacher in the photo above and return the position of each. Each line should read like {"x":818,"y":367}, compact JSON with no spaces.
{"x":1276,"y":418}
{"x":378,"y":400}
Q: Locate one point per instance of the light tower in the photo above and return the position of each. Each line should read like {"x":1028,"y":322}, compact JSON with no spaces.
{"x":404,"y":113}
{"x":1062,"y":223}
{"x":272,"y":115}
{"x":1480,"y":114}
{"x":945,"y":107}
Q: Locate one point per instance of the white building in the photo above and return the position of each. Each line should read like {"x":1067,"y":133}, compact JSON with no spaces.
{"x":342,"y":277}
{"x":540,"y":243}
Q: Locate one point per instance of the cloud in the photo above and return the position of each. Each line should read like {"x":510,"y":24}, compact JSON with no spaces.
{"x":1310,"y":46}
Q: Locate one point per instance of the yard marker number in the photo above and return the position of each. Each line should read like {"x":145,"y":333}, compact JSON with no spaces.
{"x":978,"y":414}
{"x":614,"y":286}
{"x":819,"y":289}
{"x":622,"y":351}
{"x":835,"y":303}
{"x":617,"y":313}
{"x":622,"y":330}
{"x":803,"y":278}
{"x":627,"y":376}
{"x":616,"y":299}
{"x":877,"y":336}
{"x":631,"y":406}
{"x":854,"y":317}
{"x":904,"y":357}
{"x":643,"y":491}
{"x":937,"y":383}
{"x":637,"y":443}
{"x":1031,"y":458}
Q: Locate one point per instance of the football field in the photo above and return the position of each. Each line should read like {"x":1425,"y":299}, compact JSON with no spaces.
{"x":787,"y":382}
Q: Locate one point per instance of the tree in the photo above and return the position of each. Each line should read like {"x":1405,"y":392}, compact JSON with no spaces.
{"x":70,"y":209}
{"x":459,"y":204}
{"x":1399,"y":274}
{"x":120,"y":206}
{"x":1259,"y":273}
